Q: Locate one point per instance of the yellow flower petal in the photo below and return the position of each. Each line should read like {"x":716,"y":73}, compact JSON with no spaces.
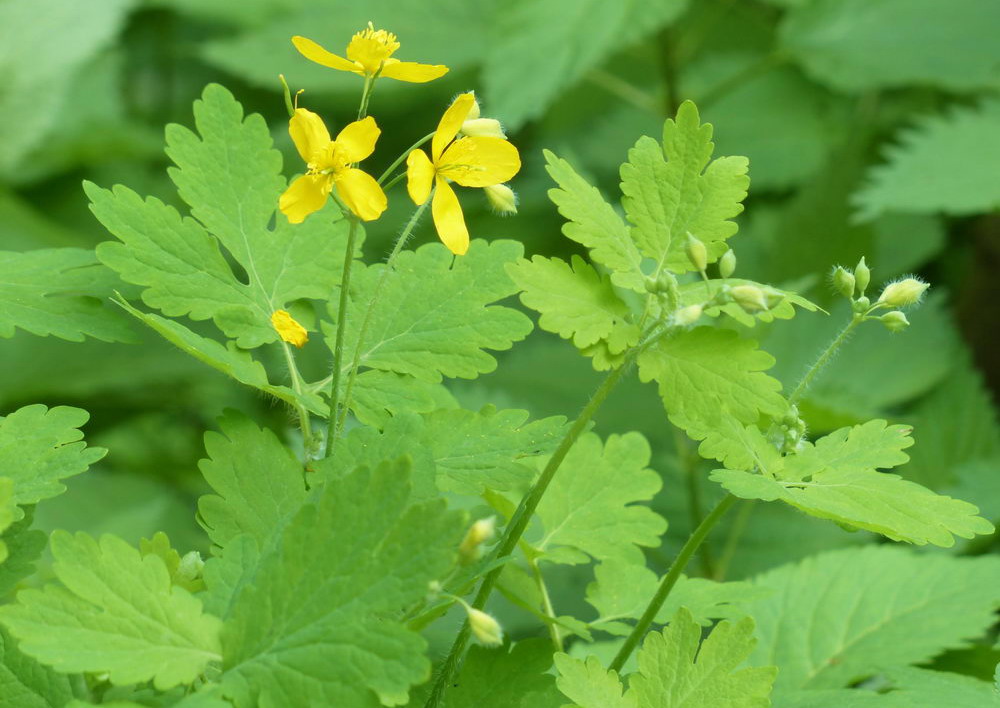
{"x":413,"y":72}
{"x":313,"y":52}
{"x":479,"y":162}
{"x":419,"y":176}
{"x":451,"y":123}
{"x":304,"y":196}
{"x":448,"y":218}
{"x":371,"y":48}
{"x":288,"y":329}
{"x":361,"y":193}
{"x":308,"y":133}
{"x":357,"y":139}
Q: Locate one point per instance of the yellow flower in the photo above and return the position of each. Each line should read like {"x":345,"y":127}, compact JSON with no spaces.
{"x":288,"y":329}
{"x":370,"y":54}
{"x":330,"y":165}
{"x":470,"y":162}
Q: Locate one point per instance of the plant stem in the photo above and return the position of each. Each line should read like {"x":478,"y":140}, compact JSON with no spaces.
{"x":624,"y":90}
{"x":547,"y":607}
{"x":736,"y":530}
{"x":366,"y":322}
{"x":366,"y":94}
{"x":670,"y":579}
{"x":824,"y":359}
{"x":399,"y":160}
{"x":304,"y":421}
{"x":689,"y":467}
{"x":338,"y":347}
{"x":668,"y":72}
{"x":740,"y":78}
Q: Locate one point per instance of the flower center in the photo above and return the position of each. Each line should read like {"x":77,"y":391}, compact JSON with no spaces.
{"x":371,"y":48}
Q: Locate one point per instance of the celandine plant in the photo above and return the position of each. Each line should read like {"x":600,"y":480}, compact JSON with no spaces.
{"x":400,"y":509}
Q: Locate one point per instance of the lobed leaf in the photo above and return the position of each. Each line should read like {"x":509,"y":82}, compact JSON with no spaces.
{"x":24,"y":683}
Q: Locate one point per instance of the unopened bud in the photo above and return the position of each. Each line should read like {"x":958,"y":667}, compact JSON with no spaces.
{"x":471,"y":548}
{"x":696,"y":252}
{"x":483,"y":128}
{"x":501,"y":198}
{"x":288,"y":329}
{"x":861,"y":305}
{"x":727,"y":264}
{"x":751,"y":298}
{"x":894,"y":321}
{"x":687,"y":315}
{"x":774,"y":298}
{"x":902,"y":293}
{"x":862,"y":276}
{"x":486,"y":629}
{"x":843,"y":282}
{"x":474,"y":111}
{"x":190,"y":567}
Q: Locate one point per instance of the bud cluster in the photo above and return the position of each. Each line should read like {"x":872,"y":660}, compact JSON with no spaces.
{"x":895,"y":295}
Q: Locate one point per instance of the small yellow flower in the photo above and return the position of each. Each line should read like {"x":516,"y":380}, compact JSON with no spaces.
{"x":370,"y":54}
{"x":470,"y":162}
{"x":330,"y":165}
{"x":288,"y":329}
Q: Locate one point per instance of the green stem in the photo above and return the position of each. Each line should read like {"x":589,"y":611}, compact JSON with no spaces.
{"x":394,"y":181}
{"x":366,"y":94}
{"x":304,"y":421}
{"x":338,"y":347}
{"x":669,"y":580}
{"x":406,"y":153}
{"x":366,"y":322}
{"x":824,"y":359}
{"x":547,"y":606}
{"x":624,"y":90}
{"x":740,"y":78}
{"x":689,"y":466}
{"x":736,"y":530}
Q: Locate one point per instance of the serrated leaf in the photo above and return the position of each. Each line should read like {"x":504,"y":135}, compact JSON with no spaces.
{"x":947,"y":45}
{"x":943,"y":163}
{"x":591,"y":509}
{"x":498,"y":678}
{"x":589,"y":685}
{"x":114,"y":612}
{"x":923,"y":688}
{"x":575,"y":302}
{"x":22,"y":545}
{"x":360,"y":555}
{"x":673,"y":189}
{"x":58,"y":292}
{"x":230,"y":176}
{"x":24,"y":683}
{"x":707,"y":375}
{"x":838,"y":479}
{"x":892,"y":606}
{"x":594,"y":223}
{"x":435,"y":315}
{"x":41,"y":446}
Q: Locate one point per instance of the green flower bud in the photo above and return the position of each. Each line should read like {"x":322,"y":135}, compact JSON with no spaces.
{"x":483,"y":128}
{"x":862,"y":276}
{"x":727,"y":264}
{"x":843,"y":281}
{"x":485,"y":627}
{"x":751,"y":298}
{"x":471,"y":548}
{"x":861,"y":304}
{"x":687,"y":315}
{"x":894,"y":321}
{"x":902,"y":293}
{"x":774,"y":298}
{"x":696,"y":252}
{"x":501,"y":198}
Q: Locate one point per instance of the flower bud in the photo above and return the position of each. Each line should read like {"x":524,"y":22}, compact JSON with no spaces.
{"x":190,"y":567}
{"x":687,"y":315}
{"x":894,"y":321}
{"x":696,"y":252}
{"x":483,"y":128}
{"x":501,"y":198}
{"x":902,"y":293}
{"x":774,"y":298}
{"x":727,"y":264}
{"x":861,"y":305}
{"x":481,"y":532}
{"x":862,"y":276}
{"x":288,"y":329}
{"x":486,"y":629}
{"x":474,"y":112}
{"x":751,"y":298}
{"x":843,"y":282}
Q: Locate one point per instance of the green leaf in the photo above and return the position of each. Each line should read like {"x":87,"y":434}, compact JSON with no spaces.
{"x":498,"y":678}
{"x":434,"y":316}
{"x":592,"y":510}
{"x":115,"y":612}
{"x":594,"y":223}
{"x":58,"y":292}
{"x":230,"y":176}
{"x":8,"y":512}
{"x":946,"y":45}
{"x":673,"y":190}
{"x":838,"y":479}
{"x":943,"y":163}
{"x":702,"y":292}
{"x":40,"y":446}
{"x":707,"y":375}
{"x":359,"y":556}
{"x":22,"y":545}
{"x":544,"y":46}
{"x":589,"y":685}
{"x":921,"y":688}
{"x":259,"y":485}
{"x":24,"y":683}
{"x":892,"y":607}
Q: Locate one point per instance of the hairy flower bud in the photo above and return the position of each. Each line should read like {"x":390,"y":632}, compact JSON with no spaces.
{"x":471,"y":548}
{"x":501,"y":198}
{"x":696,"y":252}
{"x":687,"y":315}
{"x":485,"y":627}
{"x":862,"y":276}
{"x":843,"y":282}
{"x":894,"y":321}
{"x":483,"y":128}
{"x":751,"y":298}
{"x":190,"y":566}
{"x":727,"y":264}
{"x":902,"y":293}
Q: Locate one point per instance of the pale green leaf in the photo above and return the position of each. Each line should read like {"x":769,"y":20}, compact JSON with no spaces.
{"x":594,"y":223}
{"x":502,"y":678}
{"x":589,"y":685}
{"x":673,"y":189}
{"x":8,"y":514}
{"x":591,"y":508}
{"x":24,"y":683}
{"x":843,"y":43}
{"x":943,"y":163}
{"x":891,"y":606}
{"x":58,"y":292}
{"x":707,"y":375}
{"x":231,"y":178}
{"x":922,"y":688}
{"x":741,"y":447}
{"x":360,"y":556}
{"x":116,"y":612}
{"x":840,"y":698}
{"x":576,"y":302}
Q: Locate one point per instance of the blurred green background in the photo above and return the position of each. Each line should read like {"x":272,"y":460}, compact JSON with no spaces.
{"x":872,"y":128}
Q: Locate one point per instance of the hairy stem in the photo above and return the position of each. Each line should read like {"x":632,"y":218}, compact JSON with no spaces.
{"x":670,"y":580}
{"x":824,"y":359}
{"x":305,"y":422}
{"x":689,"y":466}
{"x":547,"y":606}
{"x":399,"y":160}
{"x":338,"y":347}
